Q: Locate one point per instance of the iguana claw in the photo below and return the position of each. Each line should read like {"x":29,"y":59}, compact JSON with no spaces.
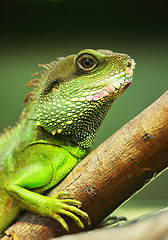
{"x":70,"y":208}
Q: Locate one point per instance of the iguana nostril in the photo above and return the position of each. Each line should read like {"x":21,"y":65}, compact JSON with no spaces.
{"x":129,"y":64}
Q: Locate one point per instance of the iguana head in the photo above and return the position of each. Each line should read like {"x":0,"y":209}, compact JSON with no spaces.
{"x":79,"y":90}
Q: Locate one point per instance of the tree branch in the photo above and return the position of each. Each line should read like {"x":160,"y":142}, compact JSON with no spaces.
{"x":111,"y":174}
{"x":149,"y":227}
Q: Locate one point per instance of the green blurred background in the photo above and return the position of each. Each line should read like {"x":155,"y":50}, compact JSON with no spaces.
{"x":35,"y":32}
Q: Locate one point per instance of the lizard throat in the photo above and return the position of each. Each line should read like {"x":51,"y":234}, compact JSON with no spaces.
{"x":79,"y":118}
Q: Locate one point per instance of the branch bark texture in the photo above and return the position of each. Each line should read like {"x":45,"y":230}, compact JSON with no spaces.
{"x":111,"y":174}
{"x":141,"y":230}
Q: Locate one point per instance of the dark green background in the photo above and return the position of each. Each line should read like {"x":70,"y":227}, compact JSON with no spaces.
{"x":35,"y":32}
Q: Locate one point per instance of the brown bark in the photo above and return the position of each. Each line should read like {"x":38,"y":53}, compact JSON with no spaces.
{"x":111,"y":174}
{"x":153,"y":228}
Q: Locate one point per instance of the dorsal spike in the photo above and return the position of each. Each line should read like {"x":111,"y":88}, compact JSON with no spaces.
{"x":38,"y":73}
{"x":33,"y":82}
{"x":60,"y":58}
{"x":26,"y":99}
{"x":46,"y":66}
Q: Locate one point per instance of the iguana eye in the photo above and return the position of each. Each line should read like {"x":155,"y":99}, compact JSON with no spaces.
{"x":86,"y":62}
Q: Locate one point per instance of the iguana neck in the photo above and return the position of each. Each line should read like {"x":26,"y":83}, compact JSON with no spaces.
{"x":33,"y":134}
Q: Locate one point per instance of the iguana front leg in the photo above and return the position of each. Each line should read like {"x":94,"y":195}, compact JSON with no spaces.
{"x":39,"y":177}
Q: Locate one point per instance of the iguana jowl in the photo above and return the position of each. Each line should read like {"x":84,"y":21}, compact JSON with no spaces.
{"x":56,"y":129}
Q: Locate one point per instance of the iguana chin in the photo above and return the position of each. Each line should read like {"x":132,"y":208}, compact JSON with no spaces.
{"x":56,"y":129}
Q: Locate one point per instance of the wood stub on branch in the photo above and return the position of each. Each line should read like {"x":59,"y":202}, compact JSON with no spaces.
{"x":111,"y":174}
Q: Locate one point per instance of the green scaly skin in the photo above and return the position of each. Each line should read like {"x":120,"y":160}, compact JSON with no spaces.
{"x":56,"y":129}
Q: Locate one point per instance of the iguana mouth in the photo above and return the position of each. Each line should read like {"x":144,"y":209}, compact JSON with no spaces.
{"x":112,"y":89}
{"x":113,"y":84}
{"x":123,"y":82}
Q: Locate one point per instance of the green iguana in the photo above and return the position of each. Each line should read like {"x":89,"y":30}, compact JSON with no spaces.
{"x":56,"y":129}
